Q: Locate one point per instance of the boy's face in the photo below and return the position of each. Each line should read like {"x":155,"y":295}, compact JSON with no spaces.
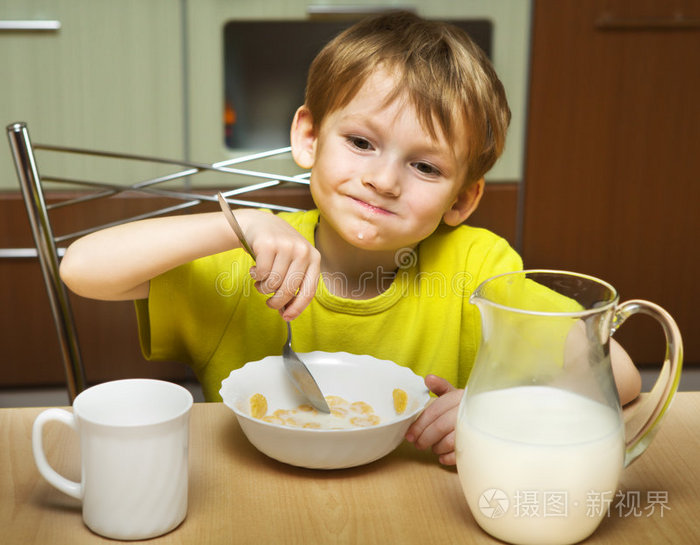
{"x":379,"y":179}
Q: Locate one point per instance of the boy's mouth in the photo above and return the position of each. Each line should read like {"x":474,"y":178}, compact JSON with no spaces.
{"x":371,"y":207}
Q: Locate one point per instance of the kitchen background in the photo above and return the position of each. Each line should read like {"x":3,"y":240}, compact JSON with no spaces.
{"x":601,"y":172}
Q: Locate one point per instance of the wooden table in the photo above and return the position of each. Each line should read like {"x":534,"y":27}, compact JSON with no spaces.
{"x":240,"y":496}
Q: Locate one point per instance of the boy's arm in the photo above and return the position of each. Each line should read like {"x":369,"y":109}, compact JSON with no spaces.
{"x":118,"y":263}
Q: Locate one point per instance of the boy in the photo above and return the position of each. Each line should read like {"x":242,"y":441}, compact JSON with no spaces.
{"x":402,"y":118}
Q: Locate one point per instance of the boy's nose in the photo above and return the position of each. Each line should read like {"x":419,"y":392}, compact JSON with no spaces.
{"x":383,"y":179}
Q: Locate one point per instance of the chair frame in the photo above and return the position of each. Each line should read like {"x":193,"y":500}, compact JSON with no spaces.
{"x":32,"y":187}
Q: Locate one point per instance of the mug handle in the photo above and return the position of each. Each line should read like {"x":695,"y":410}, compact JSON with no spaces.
{"x":50,"y":474}
{"x":643,"y":419}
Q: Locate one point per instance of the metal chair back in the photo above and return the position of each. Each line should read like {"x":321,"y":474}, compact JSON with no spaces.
{"x":32,"y":185}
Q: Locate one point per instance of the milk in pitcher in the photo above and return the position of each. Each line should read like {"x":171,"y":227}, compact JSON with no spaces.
{"x":548,"y":467}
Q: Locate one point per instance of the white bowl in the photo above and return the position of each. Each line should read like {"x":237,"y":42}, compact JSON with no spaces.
{"x":352,"y":377}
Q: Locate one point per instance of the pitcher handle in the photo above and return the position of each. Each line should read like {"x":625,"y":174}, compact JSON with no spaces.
{"x":643,"y":420}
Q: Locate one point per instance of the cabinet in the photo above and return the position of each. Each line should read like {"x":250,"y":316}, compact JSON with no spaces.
{"x":110,"y":78}
{"x":612,"y":169}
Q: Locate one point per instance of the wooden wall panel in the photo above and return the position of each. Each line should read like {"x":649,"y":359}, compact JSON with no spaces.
{"x":612,"y":170}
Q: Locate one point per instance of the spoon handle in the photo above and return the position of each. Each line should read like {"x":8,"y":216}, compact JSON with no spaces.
{"x":233,"y":222}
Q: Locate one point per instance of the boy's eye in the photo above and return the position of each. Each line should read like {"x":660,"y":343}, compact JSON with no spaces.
{"x":359,"y":142}
{"x":426,"y":168}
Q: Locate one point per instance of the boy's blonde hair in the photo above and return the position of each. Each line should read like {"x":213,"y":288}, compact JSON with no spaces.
{"x":444,"y":74}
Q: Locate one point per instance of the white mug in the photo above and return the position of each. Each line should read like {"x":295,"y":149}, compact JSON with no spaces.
{"x":134,"y":437}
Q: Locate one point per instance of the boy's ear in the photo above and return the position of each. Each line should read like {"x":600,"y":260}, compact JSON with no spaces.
{"x":466,"y":202}
{"x":303,"y":138}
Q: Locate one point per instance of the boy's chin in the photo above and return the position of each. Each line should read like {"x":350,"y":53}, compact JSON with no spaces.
{"x":366,"y":239}
{"x":377,"y":245}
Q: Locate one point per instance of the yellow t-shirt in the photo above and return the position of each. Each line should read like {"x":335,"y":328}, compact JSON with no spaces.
{"x":208,"y":314}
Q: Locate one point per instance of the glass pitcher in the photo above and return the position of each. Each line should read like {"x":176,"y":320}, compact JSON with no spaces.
{"x":541,"y":440}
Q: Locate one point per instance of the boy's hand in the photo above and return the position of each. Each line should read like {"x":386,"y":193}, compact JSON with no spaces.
{"x":435,"y":427}
{"x":287,"y":265}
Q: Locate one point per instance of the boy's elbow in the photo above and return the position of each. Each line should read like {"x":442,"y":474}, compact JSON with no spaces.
{"x":69,"y":270}
{"x":89,"y":277}
{"x":77,"y":271}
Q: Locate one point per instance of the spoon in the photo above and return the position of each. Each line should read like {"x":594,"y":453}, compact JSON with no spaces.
{"x":301,"y":376}
{"x":297,"y":370}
